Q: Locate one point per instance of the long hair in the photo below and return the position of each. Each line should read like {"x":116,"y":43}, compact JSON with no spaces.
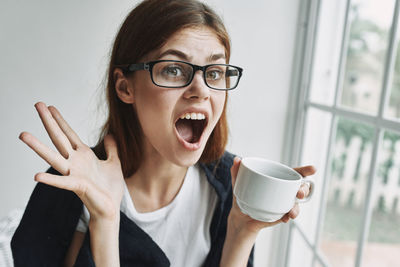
{"x":146,"y":28}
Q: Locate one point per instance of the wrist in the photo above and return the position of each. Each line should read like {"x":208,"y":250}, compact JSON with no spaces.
{"x":104,"y":241}
{"x":241,"y":235}
{"x":108,"y":222}
{"x":237,"y":246}
{"x":242,"y":227}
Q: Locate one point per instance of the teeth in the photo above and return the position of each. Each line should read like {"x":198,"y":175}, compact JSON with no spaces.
{"x":193,"y":116}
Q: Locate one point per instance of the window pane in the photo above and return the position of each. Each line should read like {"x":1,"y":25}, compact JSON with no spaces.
{"x":393,"y":110}
{"x":350,"y":167}
{"x":300,"y":252}
{"x":317,"y":263}
{"x":368,"y":42}
{"x":327,"y":51}
{"x":383,"y":245}
{"x":314,"y":152}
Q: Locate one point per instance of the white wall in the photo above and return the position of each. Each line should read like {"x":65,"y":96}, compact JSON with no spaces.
{"x":57,"y":52}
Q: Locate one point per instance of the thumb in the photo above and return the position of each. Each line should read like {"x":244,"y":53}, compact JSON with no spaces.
{"x":110,"y":146}
{"x":235,"y":169}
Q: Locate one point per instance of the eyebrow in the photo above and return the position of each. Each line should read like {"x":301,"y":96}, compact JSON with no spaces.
{"x":174,"y":52}
{"x":183,"y":56}
{"x":215,"y":57}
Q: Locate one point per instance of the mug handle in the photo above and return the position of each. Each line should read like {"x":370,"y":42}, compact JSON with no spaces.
{"x":311,"y":186}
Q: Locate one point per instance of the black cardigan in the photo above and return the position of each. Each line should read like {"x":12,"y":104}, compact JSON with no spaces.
{"x":50,"y":218}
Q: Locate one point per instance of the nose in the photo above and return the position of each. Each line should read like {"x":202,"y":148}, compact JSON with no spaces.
{"x":197,"y":89}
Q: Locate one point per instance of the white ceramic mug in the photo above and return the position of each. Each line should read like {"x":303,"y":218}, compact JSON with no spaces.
{"x":266,"y":190}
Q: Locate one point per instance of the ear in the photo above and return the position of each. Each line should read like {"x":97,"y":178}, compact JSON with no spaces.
{"x":123,"y":87}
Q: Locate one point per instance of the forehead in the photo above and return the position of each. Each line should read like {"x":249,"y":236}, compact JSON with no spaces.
{"x":197,"y":43}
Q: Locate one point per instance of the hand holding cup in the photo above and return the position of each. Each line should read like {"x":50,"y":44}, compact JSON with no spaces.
{"x":266,"y":190}
{"x":285,"y":204}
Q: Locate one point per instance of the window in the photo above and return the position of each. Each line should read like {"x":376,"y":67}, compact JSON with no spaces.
{"x":346,"y":122}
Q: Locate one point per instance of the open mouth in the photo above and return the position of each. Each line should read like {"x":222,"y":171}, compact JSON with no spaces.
{"x":190,"y":129}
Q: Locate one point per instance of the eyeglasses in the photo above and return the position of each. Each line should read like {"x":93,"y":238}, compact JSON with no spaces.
{"x":176,"y":74}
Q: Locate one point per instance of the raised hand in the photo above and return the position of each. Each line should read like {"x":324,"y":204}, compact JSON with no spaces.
{"x":98,"y":183}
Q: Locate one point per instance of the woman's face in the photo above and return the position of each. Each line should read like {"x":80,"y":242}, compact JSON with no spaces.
{"x":180,"y":141}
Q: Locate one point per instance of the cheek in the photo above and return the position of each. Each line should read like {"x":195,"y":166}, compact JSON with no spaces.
{"x":219,"y":104}
{"x":154,"y":109}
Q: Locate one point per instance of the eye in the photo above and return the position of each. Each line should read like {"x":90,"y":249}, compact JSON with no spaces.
{"x":214,"y":74}
{"x":172,"y":71}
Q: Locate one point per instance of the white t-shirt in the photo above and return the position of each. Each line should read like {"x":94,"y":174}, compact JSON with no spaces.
{"x":182,"y":228}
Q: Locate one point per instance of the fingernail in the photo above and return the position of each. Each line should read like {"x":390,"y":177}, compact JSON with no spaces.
{"x":37,"y":103}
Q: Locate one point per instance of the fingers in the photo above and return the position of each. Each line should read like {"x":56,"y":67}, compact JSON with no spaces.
{"x":294,"y":211}
{"x":63,"y":182}
{"x":56,"y":135}
{"x":110,"y":147}
{"x":275,"y":223}
{"x":235,"y":169}
{"x":303,"y":191}
{"x":285,"y":218}
{"x":71,"y":135}
{"x":305,"y":170}
{"x":50,"y":156}
{"x":292,"y":214}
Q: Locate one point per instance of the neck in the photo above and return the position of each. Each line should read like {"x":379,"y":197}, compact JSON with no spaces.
{"x":156,"y":183}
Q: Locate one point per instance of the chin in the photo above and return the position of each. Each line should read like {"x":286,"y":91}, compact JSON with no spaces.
{"x":188,"y":159}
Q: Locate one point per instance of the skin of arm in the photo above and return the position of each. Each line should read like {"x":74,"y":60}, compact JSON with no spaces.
{"x":237,"y":247}
{"x":104,"y":241}
{"x":242,"y":230}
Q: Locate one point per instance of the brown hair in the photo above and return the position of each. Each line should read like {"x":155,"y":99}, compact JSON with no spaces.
{"x":146,"y":28}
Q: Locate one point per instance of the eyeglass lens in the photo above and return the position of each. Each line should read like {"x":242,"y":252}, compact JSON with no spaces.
{"x":179,"y":74}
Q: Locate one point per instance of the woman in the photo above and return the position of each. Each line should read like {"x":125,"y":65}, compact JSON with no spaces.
{"x":157,"y":188}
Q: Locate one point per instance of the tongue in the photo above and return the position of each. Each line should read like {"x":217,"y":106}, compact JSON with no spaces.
{"x":185,"y":129}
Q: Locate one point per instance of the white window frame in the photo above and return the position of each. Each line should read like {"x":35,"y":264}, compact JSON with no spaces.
{"x":298,"y":106}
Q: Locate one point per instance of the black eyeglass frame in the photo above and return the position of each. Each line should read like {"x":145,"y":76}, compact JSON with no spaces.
{"x":149,"y":66}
